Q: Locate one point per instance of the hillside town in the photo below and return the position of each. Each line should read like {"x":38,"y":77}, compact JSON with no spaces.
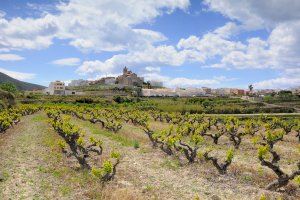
{"x":130,"y":79}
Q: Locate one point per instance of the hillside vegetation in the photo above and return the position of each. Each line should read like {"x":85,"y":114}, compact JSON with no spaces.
{"x":19,"y":84}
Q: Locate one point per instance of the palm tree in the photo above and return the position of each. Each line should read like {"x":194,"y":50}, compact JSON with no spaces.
{"x":250,"y":87}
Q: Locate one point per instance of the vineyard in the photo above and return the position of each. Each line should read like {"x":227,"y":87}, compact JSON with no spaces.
{"x":113,"y":152}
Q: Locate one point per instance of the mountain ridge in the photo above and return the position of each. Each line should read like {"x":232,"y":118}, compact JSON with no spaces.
{"x":21,"y":85}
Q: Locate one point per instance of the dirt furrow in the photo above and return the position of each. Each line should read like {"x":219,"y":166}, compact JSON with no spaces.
{"x":28,"y":162}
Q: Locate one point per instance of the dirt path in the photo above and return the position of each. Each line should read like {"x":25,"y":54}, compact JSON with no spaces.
{"x":28,"y":163}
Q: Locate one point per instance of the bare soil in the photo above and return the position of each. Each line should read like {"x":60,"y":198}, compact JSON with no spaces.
{"x":34,"y":168}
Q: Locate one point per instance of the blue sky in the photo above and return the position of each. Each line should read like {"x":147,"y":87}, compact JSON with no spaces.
{"x":214,"y":43}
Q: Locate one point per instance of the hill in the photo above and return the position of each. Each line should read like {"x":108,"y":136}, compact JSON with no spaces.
{"x":19,"y":84}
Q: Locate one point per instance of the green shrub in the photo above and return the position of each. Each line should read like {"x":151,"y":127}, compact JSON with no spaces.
{"x":136,"y":144}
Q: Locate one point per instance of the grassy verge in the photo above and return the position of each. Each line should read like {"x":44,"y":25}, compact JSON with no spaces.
{"x":95,"y":129}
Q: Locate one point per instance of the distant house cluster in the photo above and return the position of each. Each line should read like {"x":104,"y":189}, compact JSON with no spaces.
{"x":128,"y":78}
{"x":190,"y":92}
{"x":178,"y":92}
{"x":151,"y":88}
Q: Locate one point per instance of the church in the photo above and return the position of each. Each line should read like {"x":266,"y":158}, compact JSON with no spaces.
{"x":128,"y":78}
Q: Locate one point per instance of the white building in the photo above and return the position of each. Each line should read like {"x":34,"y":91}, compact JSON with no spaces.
{"x":189,"y":92}
{"x":161,"y":92}
{"x":56,"y":88}
{"x":79,"y":82}
{"x":167,"y":92}
{"x":222,"y":91}
{"x":207,"y":90}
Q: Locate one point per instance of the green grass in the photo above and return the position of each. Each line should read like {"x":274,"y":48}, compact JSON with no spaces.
{"x":95,"y":129}
{"x":65,"y":190}
{"x":39,"y":118}
{"x":171,"y":164}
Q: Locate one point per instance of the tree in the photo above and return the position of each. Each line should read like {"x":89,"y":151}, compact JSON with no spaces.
{"x":250,"y":87}
{"x":148,"y":84}
{"x":9,"y":87}
{"x":6,"y":99}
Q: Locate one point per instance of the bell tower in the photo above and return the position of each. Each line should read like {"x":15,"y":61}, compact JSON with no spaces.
{"x":125,"y":70}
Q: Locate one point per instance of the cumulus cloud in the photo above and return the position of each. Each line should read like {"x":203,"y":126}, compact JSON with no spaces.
{"x":99,"y":76}
{"x":2,"y":13}
{"x":186,"y":82}
{"x":10,"y":57}
{"x":212,"y":44}
{"x":114,"y":32}
{"x":288,"y":79}
{"x":281,"y":50}
{"x":278,"y":83}
{"x":67,"y":62}
{"x":255,"y":14}
{"x":152,"y":56}
{"x":29,"y":33}
{"x":18,"y":75}
{"x":152,"y":69}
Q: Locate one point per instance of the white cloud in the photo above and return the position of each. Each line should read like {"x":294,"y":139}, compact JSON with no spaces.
{"x":18,"y":75}
{"x":108,"y":25}
{"x":114,"y":32}
{"x":99,"y":76}
{"x":10,"y":57}
{"x":152,"y":56}
{"x":154,"y":76}
{"x":212,"y":44}
{"x":29,"y":33}
{"x":152,"y":69}
{"x":255,"y":14}
{"x":117,"y":30}
{"x":278,"y":83}
{"x":187,"y":82}
{"x":67,"y":62}
{"x":288,"y":79}
{"x":2,"y":13}
{"x":89,"y":67}
{"x":281,"y":50}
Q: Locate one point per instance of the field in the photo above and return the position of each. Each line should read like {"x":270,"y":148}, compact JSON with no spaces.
{"x":153,"y":149}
